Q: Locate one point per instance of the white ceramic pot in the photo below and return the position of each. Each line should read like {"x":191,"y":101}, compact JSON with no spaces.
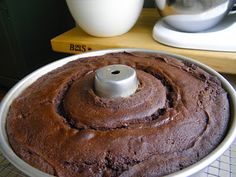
{"x":105,"y":18}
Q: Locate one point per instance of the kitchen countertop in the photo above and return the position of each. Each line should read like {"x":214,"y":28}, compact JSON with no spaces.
{"x":140,"y":36}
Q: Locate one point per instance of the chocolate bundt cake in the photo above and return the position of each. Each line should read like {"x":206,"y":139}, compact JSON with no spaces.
{"x":177,"y":116}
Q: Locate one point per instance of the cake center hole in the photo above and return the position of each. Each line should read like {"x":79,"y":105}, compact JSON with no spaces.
{"x":115,"y":72}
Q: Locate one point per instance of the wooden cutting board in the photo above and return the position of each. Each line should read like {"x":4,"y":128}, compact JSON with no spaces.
{"x":140,"y":36}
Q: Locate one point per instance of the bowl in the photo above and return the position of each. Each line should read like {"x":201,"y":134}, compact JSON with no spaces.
{"x":105,"y":18}
{"x":193,"y":15}
{"x":28,"y":80}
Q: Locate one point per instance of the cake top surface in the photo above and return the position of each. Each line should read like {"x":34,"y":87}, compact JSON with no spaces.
{"x":177,"y":116}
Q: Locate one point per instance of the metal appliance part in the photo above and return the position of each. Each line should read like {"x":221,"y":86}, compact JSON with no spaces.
{"x":193,"y":15}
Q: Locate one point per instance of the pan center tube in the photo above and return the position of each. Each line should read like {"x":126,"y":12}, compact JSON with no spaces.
{"x":114,"y":81}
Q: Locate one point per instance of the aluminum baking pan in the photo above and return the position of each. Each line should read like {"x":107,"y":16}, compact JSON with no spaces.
{"x":28,"y":80}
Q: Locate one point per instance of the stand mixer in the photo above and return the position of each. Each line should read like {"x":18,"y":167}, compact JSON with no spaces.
{"x":197,"y":24}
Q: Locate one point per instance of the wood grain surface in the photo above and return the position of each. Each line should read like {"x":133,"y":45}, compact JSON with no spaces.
{"x":140,"y":36}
